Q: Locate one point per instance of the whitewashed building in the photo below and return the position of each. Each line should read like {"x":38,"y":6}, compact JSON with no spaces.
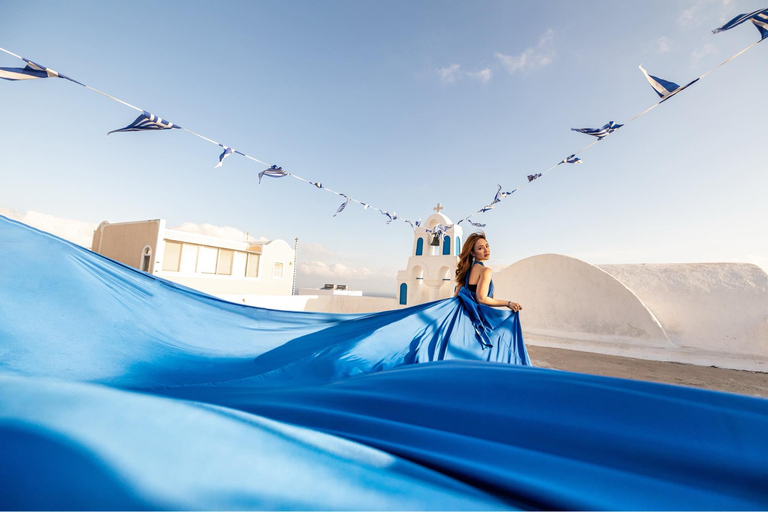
{"x":212,"y":265}
{"x":431,"y":268}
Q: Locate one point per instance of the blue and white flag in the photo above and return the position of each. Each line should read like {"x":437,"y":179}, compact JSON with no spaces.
{"x":414,"y":225}
{"x":759,"y":18}
{"x":317,"y":184}
{"x":147,"y":121}
{"x":32,"y":71}
{"x":273,"y":172}
{"x":390,"y":216}
{"x":486,"y":208}
{"x":600,"y":133}
{"x":343,"y":205}
{"x":573,"y":159}
{"x":664,"y":88}
{"x":532,"y":177}
{"x":476,"y":224}
{"x":500,"y":195}
{"x":438,"y":230}
{"x":225,"y":154}
{"x":365,"y":206}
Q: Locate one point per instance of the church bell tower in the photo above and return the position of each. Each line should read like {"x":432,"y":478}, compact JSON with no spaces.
{"x":431,"y":268}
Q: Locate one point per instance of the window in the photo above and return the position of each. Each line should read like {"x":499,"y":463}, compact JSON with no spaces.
{"x":224,"y":266}
{"x":277,"y":271}
{"x":172,"y":256}
{"x":419,"y":247}
{"x":403,"y":294}
{"x":146,"y":258}
{"x":447,"y":245}
{"x":458,"y":246}
{"x":206,"y":260}
{"x":252,"y":268}
{"x":189,"y":258}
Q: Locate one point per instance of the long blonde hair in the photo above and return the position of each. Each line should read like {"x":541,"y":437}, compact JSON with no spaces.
{"x":465,"y":257}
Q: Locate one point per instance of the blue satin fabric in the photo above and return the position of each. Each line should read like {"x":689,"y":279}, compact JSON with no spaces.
{"x":483,"y":330}
{"x":122,"y":390}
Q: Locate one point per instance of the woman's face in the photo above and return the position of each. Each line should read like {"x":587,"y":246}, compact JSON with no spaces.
{"x":481,"y":251}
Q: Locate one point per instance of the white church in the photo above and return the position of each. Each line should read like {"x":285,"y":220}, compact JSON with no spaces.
{"x":431,"y":268}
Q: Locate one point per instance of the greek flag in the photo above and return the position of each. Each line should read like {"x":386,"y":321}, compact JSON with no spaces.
{"x":147,"y":121}
{"x":600,"y":133}
{"x":343,"y":205}
{"x":417,"y":224}
{"x":573,"y":159}
{"x":761,"y":23}
{"x":32,"y":71}
{"x":759,"y":18}
{"x":476,"y":224}
{"x":486,"y":208}
{"x":273,"y":172}
{"x":225,"y":154}
{"x":500,"y":195}
{"x":532,"y":177}
{"x":390,"y":216}
{"x":439,"y":230}
{"x":317,"y":184}
{"x":664,"y":88}
{"x":365,"y":206}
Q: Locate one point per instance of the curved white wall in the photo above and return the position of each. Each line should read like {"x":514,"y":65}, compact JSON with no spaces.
{"x":712,"y":306}
{"x":716,"y":307}
{"x":568,"y":298}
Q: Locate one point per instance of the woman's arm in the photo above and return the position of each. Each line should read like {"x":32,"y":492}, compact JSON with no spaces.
{"x":482,"y":293}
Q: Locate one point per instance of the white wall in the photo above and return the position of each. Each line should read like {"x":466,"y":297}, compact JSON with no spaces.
{"x":711,"y":313}
{"x":568,"y":298}
{"x":712,"y":306}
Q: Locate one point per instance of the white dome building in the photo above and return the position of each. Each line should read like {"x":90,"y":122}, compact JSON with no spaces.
{"x":431,"y":268}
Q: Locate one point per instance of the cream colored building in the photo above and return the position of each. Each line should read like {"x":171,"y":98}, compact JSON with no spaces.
{"x":212,"y":265}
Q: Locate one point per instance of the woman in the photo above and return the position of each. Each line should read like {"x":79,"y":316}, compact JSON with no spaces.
{"x":476,"y":277}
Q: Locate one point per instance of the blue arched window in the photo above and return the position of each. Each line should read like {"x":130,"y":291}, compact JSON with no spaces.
{"x":447,"y":245}
{"x":419,"y":247}
{"x":458,"y":246}
{"x":404,"y":292}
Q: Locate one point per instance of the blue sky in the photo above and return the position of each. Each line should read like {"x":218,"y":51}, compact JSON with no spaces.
{"x":401,"y":105}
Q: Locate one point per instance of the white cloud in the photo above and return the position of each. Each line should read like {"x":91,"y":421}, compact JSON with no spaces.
{"x":315,"y":251}
{"x":450,"y":74}
{"x":664,"y":44}
{"x":687,"y":18}
{"x":483,"y":76}
{"x":76,"y":231}
{"x":692,"y":17}
{"x":530,"y":58}
{"x":225,"y":232}
{"x":454,"y":72}
{"x":707,"y":49}
{"x":335,"y":270}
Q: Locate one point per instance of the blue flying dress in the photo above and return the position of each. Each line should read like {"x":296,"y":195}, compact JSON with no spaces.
{"x":498,"y":333}
{"x":123,"y":391}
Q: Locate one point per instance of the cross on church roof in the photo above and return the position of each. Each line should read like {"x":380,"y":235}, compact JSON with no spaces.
{"x":438,"y":207}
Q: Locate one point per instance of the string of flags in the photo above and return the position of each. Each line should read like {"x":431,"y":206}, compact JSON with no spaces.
{"x":665,"y":89}
{"x":146,"y":121}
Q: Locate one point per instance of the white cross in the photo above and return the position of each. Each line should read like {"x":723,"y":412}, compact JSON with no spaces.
{"x":438,"y":208}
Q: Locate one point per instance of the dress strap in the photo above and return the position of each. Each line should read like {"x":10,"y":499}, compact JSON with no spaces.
{"x":466,"y":279}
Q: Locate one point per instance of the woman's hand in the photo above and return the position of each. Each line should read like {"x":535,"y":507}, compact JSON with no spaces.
{"x":514,"y":306}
